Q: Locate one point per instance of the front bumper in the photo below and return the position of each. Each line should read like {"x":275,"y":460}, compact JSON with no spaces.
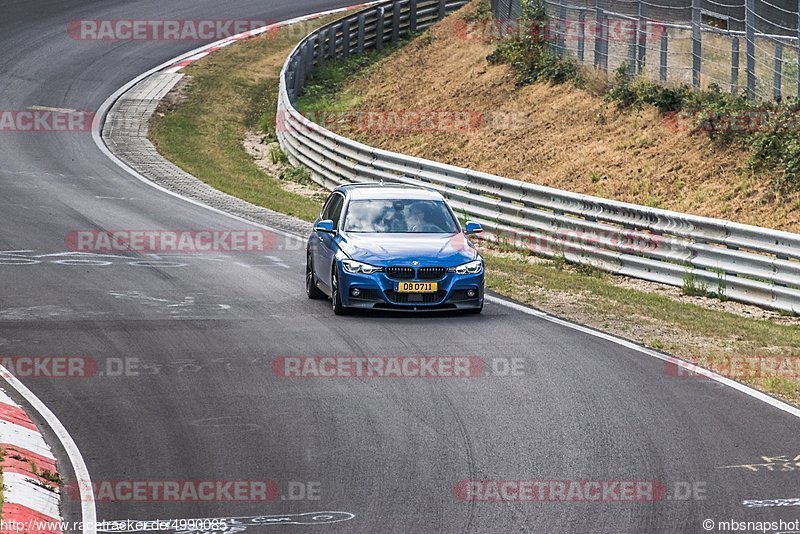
{"x":378,"y":291}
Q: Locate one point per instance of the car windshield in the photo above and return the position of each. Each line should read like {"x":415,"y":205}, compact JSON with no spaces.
{"x":399,"y":216}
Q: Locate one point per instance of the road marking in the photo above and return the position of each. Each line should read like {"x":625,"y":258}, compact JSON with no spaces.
{"x":78,"y":464}
{"x":57,"y":110}
{"x":665,"y":357}
{"x":771,"y":502}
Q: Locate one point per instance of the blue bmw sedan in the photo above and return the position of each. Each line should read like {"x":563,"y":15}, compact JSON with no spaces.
{"x":393,"y":247}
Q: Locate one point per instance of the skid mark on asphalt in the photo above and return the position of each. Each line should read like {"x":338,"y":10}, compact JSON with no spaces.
{"x":226,"y":425}
{"x":227,"y":525}
{"x":188,"y":308}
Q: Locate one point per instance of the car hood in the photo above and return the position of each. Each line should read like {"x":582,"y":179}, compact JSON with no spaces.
{"x":445,"y":250}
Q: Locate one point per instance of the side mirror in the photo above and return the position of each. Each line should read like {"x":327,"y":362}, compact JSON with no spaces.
{"x":325,"y":226}
{"x":473,"y":228}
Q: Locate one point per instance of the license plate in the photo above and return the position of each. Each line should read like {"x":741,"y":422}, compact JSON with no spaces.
{"x":417,"y":287}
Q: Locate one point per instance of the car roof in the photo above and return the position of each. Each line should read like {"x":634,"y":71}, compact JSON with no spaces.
{"x":390,"y":191}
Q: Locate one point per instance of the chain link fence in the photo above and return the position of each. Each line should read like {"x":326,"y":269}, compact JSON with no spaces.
{"x":742,"y":46}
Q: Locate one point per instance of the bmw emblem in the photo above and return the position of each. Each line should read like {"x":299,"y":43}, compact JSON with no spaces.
{"x":415,"y":263}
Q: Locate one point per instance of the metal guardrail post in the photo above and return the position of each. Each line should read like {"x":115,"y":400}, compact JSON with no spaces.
{"x":362,"y":21}
{"x":778,"y":77}
{"x":750,"y":47}
{"x":332,"y":42}
{"x":346,"y":37}
{"x":380,"y":32}
{"x":395,"y":22}
{"x":734,"y":65}
{"x":664,"y":53}
{"x":299,"y":76}
{"x":697,"y":50}
{"x":412,"y":15}
{"x":443,"y":10}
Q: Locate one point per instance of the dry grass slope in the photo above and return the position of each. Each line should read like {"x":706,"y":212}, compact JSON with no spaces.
{"x":562,"y":137}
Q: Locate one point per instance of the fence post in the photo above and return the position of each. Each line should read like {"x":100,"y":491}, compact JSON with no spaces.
{"x":662,"y":69}
{"x":395,"y":22}
{"x":442,"y":10}
{"x":361,"y":25}
{"x":598,"y":34}
{"x":346,"y":37}
{"x":632,"y":46}
{"x":642,"y":41}
{"x":605,"y":31}
{"x":777,"y":80}
{"x":697,"y":50}
{"x":379,"y":31}
{"x":562,"y":27}
{"x":734,"y":65}
{"x":412,"y":15}
{"x":581,"y":35}
{"x":750,"y":48}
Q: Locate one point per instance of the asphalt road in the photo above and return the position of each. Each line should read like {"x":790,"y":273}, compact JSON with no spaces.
{"x":206,"y":405}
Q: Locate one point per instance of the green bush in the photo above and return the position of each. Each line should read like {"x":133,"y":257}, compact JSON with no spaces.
{"x":530,"y":55}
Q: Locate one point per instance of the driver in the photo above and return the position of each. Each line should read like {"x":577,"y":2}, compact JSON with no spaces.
{"x":418,"y":220}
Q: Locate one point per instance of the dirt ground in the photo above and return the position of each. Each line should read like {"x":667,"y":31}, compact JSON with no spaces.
{"x":557,"y":135}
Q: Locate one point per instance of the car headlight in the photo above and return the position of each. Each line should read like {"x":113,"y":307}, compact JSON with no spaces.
{"x":353,"y":266}
{"x":472,"y":267}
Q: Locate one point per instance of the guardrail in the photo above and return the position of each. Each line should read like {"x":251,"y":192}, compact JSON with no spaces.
{"x":734,"y":261}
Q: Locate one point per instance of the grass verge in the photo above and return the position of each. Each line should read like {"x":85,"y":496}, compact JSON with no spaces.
{"x":232,"y":92}
{"x":235,"y":90}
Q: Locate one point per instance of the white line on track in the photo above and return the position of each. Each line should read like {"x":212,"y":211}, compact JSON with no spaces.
{"x":88,"y":510}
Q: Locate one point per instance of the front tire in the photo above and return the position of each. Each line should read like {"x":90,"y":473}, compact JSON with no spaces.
{"x":312,"y":290}
{"x":336,"y":296}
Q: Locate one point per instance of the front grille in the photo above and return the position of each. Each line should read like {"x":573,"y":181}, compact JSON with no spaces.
{"x":400,"y":272}
{"x":415,"y":298}
{"x":431,"y":273}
